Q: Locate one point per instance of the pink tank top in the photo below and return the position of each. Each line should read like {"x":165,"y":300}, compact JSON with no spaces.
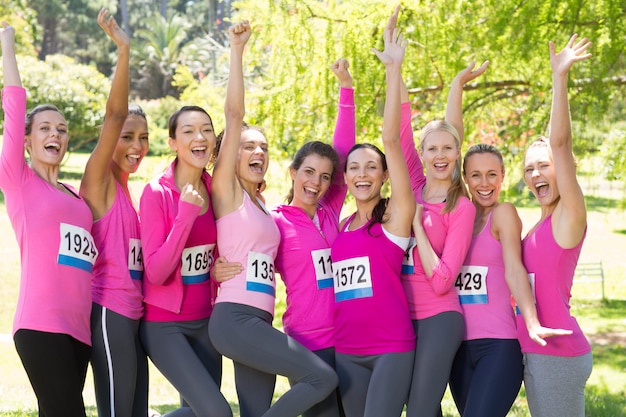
{"x":483,"y":292}
{"x":118,"y":270}
{"x":371,"y":311}
{"x":250,"y":237}
{"x":551,"y":269}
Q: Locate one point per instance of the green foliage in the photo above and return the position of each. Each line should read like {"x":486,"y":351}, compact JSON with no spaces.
{"x":81,"y":97}
{"x":23,"y":20}
{"x":614,"y":153}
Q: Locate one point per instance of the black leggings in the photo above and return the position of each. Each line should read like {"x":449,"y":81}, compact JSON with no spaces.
{"x":486,"y":377}
{"x":119,"y":364}
{"x":260,"y":352}
{"x":56,"y":365}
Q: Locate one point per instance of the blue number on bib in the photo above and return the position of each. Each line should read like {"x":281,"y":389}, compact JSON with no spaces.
{"x":260,"y":273}
{"x":323,"y":265}
{"x":471,"y":285}
{"x":408,"y":264}
{"x":353,"y":279}
{"x":77,"y":248}
{"x":196,"y":262}
{"x":135,"y":258}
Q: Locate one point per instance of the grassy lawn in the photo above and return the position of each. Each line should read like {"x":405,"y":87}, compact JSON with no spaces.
{"x":603,"y":321}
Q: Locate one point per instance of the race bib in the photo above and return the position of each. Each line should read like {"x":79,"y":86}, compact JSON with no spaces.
{"x":323,"y":268}
{"x":260,"y":273}
{"x":471,"y":285}
{"x":407,"y":262}
{"x":135,"y":258}
{"x":77,"y":248}
{"x":353,"y":279}
{"x":196,"y":263}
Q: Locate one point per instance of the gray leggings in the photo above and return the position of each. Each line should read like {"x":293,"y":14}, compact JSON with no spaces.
{"x":438,"y":338}
{"x":183,"y":352}
{"x":555,"y":385}
{"x":329,"y":407}
{"x":374,"y":385}
{"x":119,"y":363}
{"x":259,"y":353}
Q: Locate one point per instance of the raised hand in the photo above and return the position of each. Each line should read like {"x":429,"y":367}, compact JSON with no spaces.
{"x":573,"y":52}
{"x":7,"y":35}
{"x":191,"y":195}
{"x":112,"y":29}
{"x":395,"y":45}
{"x":469,"y":73}
{"x":239,"y":33}
{"x":393,"y":19}
{"x":340,"y":68}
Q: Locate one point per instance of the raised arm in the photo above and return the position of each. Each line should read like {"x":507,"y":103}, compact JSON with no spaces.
{"x":508,"y":229}
{"x":401,"y":206}
{"x":98,"y":184}
{"x":454,"y":108}
{"x":12,"y":163}
{"x":226,"y":192}
{"x":344,"y":136}
{"x":570,"y":214}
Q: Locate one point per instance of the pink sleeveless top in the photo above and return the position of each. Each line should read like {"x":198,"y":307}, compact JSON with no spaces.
{"x":118,"y":270}
{"x":250,"y":237}
{"x":371,"y":311}
{"x":483,"y":292}
{"x":551,"y":269}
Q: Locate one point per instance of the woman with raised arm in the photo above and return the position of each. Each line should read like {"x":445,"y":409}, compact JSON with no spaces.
{"x":442,"y":229}
{"x":487,"y":371}
{"x":241,"y":324}
{"x":374,"y":365}
{"x":555,"y":374}
{"x":308,"y":226}
{"x":52,"y":224}
{"x":178,"y":236}
{"x":119,"y":363}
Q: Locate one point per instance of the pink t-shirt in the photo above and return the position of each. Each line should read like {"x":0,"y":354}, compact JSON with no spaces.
{"x":303,"y":258}
{"x":179,"y":248}
{"x":53,"y":230}
{"x":250,"y":237}
{"x":118,"y":270}
{"x":551,"y":269}
{"x":371,"y":311}
{"x":449,"y":234}
{"x":483,"y":292}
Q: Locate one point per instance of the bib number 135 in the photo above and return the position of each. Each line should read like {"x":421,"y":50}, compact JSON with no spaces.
{"x":260,"y":273}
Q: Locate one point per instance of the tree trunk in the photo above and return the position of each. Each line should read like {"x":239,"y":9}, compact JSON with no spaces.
{"x":125,"y":20}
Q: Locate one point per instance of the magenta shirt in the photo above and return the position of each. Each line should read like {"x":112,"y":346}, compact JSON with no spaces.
{"x":118,"y":270}
{"x":371,"y":311}
{"x":303,"y":258}
{"x":483,"y":292}
{"x":552,"y":269}
{"x":53,"y":230}
{"x":179,"y":247}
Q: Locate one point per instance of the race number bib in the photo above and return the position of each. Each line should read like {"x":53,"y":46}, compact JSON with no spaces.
{"x":531,"y":279}
{"x":77,"y":248}
{"x":323,"y":268}
{"x":260,"y":273}
{"x":407,"y":262}
{"x":471,"y":285}
{"x":135,"y":258}
{"x":353,"y":279}
{"x":196,"y":262}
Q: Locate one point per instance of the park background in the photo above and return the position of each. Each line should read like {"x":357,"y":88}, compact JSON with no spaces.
{"x":180,"y":56}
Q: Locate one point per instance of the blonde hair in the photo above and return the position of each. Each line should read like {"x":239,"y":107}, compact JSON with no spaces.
{"x":457,"y":188}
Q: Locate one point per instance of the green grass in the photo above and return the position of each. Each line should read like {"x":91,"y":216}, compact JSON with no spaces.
{"x":603,"y":321}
